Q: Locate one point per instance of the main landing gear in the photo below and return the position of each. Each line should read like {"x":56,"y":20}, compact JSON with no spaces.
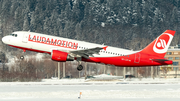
{"x":79,"y":67}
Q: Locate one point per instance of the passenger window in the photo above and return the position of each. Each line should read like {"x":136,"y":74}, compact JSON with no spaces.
{"x":15,"y":35}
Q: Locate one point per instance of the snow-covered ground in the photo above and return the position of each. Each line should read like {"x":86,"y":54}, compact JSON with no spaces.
{"x":126,"y":90}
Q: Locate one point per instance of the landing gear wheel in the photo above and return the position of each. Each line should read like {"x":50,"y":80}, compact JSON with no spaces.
{"x":79,"y":68}
{"x":22,"y":57}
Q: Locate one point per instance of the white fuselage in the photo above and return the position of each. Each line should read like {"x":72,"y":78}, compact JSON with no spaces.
{"x":39,"y":42}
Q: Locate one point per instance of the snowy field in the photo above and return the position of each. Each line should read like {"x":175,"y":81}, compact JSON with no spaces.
{"x":69,"y":90}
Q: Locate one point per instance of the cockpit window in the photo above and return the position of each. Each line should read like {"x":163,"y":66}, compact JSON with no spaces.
{"x":15,"y":35}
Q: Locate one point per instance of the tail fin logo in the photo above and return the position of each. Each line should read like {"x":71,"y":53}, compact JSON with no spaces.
{"x":162,"y":43}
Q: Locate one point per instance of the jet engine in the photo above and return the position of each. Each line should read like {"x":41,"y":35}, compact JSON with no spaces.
{"x":60,"y":56}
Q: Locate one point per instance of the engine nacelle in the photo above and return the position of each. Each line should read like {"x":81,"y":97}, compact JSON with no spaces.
{"x":60,"y":56}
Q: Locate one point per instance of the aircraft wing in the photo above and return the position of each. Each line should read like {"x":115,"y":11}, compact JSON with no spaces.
{"x":87,"y":52}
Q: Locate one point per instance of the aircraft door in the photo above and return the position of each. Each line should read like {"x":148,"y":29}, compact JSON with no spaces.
{"x":137,"y":58}
{"x":25,"y":38}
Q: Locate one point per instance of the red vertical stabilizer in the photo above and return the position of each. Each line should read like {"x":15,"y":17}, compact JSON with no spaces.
{"x":160,"y":45}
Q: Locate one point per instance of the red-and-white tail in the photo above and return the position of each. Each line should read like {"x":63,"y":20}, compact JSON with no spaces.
{"x":160,"y":45}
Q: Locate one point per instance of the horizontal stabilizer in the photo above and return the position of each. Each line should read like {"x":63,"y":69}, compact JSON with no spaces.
{"x":160,"y":60}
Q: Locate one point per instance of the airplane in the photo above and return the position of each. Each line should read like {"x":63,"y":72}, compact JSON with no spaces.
{"x":64,"y":49}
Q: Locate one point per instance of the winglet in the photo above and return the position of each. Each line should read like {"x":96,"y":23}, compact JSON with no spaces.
{"x":105,"y":48}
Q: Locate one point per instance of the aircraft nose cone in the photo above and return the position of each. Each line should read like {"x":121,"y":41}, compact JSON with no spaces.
{"x":4,"y":39}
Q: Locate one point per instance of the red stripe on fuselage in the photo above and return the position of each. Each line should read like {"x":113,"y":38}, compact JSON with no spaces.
{"x":127,"y":61}
{"x":123,"y":61}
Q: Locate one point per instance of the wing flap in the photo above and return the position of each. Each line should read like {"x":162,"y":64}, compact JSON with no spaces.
{"x":88,"y":52}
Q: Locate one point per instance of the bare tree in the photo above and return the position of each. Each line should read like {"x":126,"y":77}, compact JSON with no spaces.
{"x":141,"y":72}
{"x":165,"y":70}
